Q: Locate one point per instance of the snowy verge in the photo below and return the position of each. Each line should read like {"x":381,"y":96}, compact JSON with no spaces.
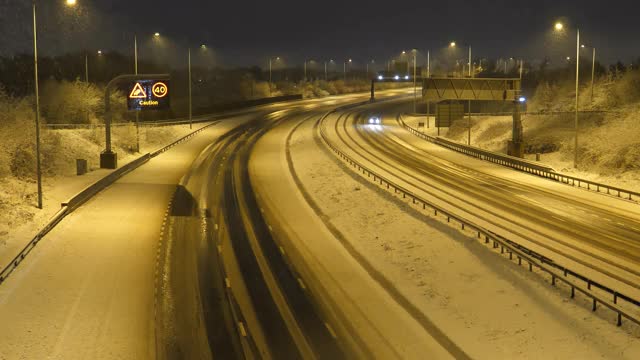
{"x":20,"y":221}
{"x":489,"y":305}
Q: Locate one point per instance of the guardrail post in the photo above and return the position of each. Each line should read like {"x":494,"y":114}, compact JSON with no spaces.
{"x":573,"y":292}
{"x":619,"y":319}
{"x":594,"y":305}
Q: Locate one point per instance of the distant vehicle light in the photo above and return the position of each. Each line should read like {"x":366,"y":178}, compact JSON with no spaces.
{"x":380,"y":77}
{"x":522,"y":99}
{"x":406,"y":77}
{"x":397,"y":77}
{"x":374,"y":120}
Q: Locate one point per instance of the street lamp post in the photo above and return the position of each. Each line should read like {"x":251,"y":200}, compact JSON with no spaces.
{"x":593,"y":68}
{"x":575,"y":155}
{"x":37,"y":95}
{"x":190,"y":99}
{"x":345,"y":68}
{"x":415,"y":93}
{"x":453,"y":45}
{"x":326,"y":77}
{"x":428,"y":76}
{"x":271,"y":72}
{"x":469,"y":118}
{"x":135,"y":69}
{"x":35,"y":70}
{"x":372,"y":62}
{"x":559,"y":27}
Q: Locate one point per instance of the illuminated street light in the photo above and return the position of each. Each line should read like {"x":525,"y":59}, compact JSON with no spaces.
{"x":277,"y":58}
{"x":452,"y":44}
{"x":156,"y":34}
{"x":593,"y":67}
{"x":559,"y":28}
{"x":344,"y":70}
{"x":311,"y":61}
{"x":203,"y":47}
{"x":37,"y":95}
{"x":99,"y":52}
{"x":415,"y":92}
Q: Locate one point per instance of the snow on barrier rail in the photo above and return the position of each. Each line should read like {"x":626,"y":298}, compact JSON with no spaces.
{"x":83,"y":196}
{"x":543,"y":264}
{"x":524,"y":165}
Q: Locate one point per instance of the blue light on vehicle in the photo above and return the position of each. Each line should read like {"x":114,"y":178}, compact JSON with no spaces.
{"x":397,"y":77}
{"x":406,"y":77}
{"x":380,"y":77}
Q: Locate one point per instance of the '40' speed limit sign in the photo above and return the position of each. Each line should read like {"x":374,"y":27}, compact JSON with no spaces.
{"x":149,"y":95}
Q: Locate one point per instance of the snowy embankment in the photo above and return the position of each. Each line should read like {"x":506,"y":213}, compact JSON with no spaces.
{"x":489,"y":306}
{"x":609,"y":143}
{"x":20,"y":220}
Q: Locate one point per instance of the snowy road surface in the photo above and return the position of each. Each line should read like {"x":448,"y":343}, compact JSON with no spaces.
{"x":272,"y":248}
{"x":366,"y":318}
{"x":489,"y":306}
{"x":597,"y":235}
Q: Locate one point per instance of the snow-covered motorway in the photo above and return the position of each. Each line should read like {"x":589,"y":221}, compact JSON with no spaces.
{"x":90,"y":289}
{"x":260,"y":275}
{"x":226,"y":247}
{"x":596,"y":235}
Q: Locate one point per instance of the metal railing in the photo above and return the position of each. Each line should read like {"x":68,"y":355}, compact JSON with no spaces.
{"x":505,"y":160}
{"x":524,"y":165}
{"x":506,"y":246}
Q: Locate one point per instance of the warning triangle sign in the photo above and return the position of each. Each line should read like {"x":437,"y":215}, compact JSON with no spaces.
{"x":138,"y":92}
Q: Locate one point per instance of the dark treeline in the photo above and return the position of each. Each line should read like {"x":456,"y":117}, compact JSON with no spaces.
{"x":213,"y":85}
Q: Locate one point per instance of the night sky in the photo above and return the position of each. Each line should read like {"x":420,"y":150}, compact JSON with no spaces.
{"x":247,"y":33}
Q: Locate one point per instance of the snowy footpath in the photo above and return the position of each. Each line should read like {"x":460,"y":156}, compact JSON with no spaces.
{"x":22,"y":221}
{"x":87,"y":290}
{"x":488,"y":306}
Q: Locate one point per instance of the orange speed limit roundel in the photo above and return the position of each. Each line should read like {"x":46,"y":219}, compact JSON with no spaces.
{"x":160,"y":90}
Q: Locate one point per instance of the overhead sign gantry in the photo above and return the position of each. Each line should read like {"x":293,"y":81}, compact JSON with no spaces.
{"x":448,"y":92}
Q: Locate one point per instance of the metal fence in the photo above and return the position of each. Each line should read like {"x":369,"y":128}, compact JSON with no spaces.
{"x":508,"y":247}
{"x":531,"y":167}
